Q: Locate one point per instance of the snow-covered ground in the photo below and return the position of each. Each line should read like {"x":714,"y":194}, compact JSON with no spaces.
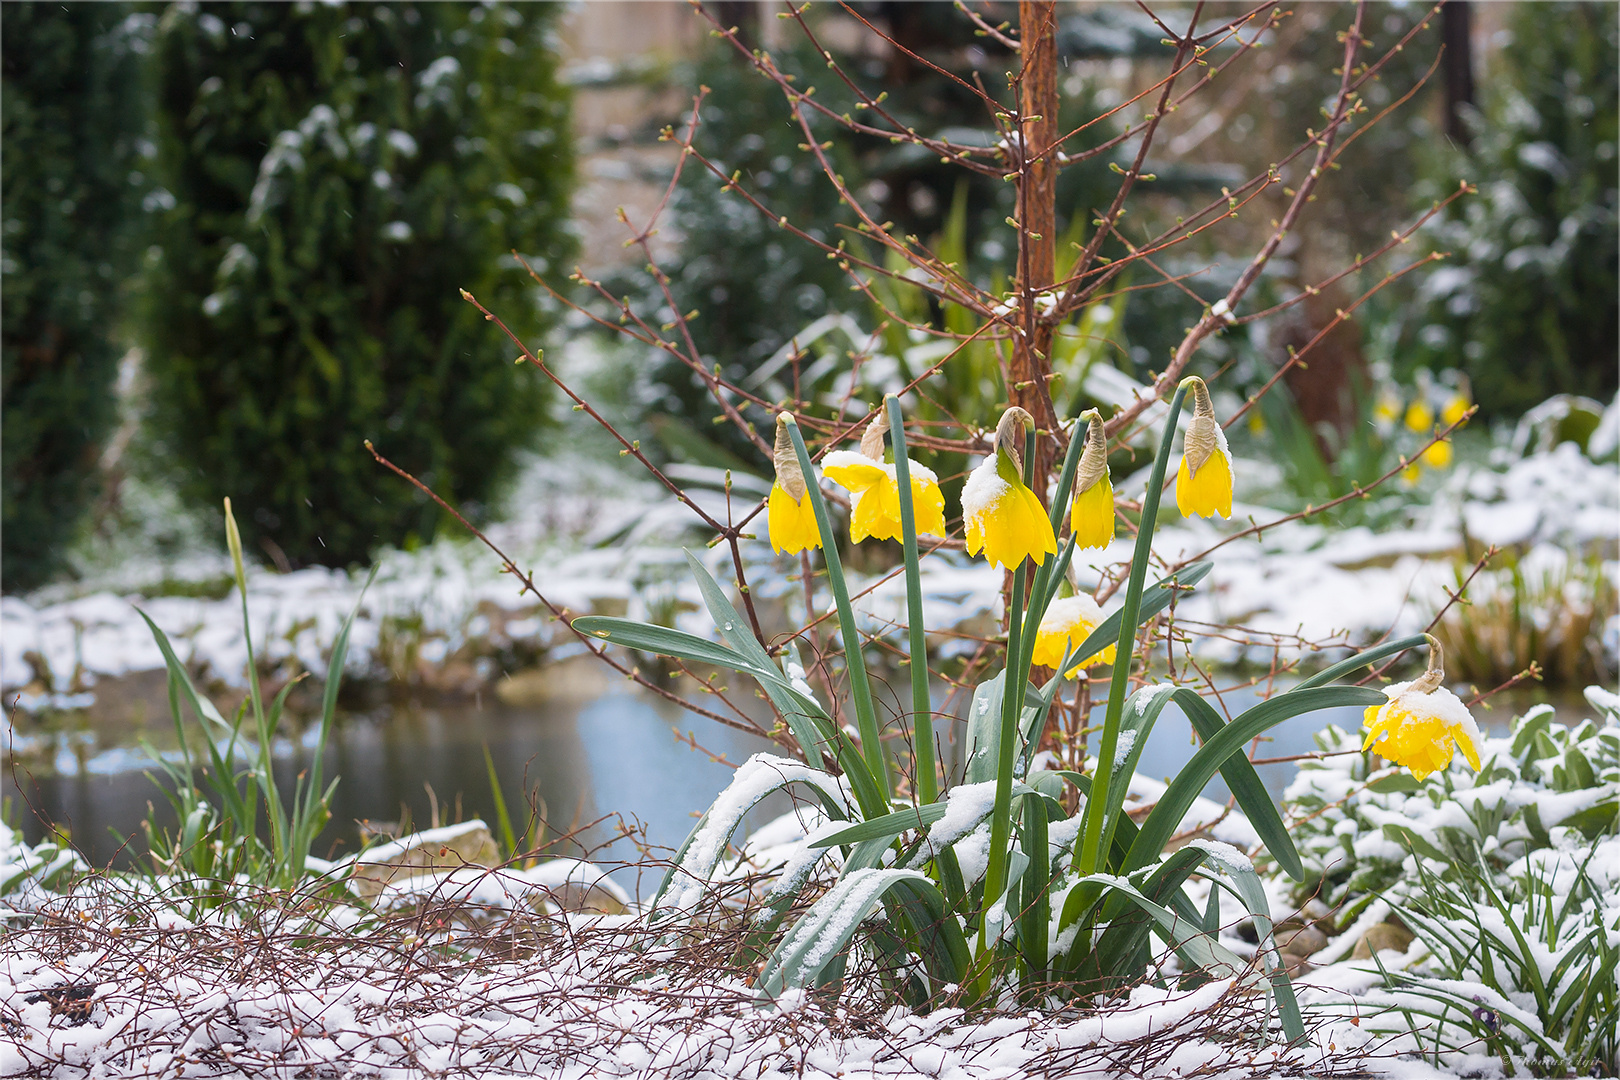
{"x":125,"y":983}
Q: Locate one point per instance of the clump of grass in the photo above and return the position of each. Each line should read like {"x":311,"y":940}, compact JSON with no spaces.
{"x":1517,"y":615}
{"x":217,"y":802}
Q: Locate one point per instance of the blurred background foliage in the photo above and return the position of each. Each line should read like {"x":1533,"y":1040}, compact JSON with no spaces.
{"x":304,"y":298}
{"x":73,"y":116}
{"x":311,"y":186}
{"x":1529,"y":303}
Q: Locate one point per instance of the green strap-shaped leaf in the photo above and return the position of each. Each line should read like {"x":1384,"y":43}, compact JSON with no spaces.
{"x":1245,"y":785}
{"x":1142,"y":709}
{"x":706,"y":845}
{"x":666,"y":641}
{"x":934,"y":930}
{"x":886,"y":827}
{"x":807,"y":732}
{"x":1197,"y":948}
{"x":1360,"y":660}
{"x":983,"y":723}
{"x":825,"y":931}
{"x":1120,"y":957}
{"x":681,"y":645}
{"x":1245,"y":884}
{"x":1035,"y":907}
{"x":1189,"y":784}
{"x":200,"y":705}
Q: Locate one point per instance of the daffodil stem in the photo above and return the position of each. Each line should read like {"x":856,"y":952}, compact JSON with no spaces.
{"x":1050,"y":576}
{"x":922,"y":706}
{"x":1013,"y":678}
{"x":860,"y":688}
{"x":1097,"y":805}
{"x":1012,"y":700}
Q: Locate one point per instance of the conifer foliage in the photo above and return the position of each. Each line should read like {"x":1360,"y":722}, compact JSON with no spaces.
{"x":71,"y":123}
{"x":339,"y":173}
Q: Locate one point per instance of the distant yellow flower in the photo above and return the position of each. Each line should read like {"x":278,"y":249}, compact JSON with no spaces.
{"x":790,"y":517}
{"x":1204,"y":480}
{"x":1419,"y":415}
{"x":1422,"y":722}
{"x":1068,"y":621}
{"x":1000,"y":515}
{"x":1091,"y":518}
{"x":1455,"y":409}
{"x":875,"y":487}
{"x":1438,"y":456}
{"x":1388,"y":409}
{"x":1410,"y":474}
{"x":1257,"y":422}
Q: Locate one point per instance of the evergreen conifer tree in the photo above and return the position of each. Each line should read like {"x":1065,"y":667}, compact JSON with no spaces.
{"x":72,"y":121}
{"x":339,"y":173}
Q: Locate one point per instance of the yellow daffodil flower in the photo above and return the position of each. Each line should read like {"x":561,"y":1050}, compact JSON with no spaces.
{"x":1438,"y":456}
{"x":875,"y":489}
{"x":789,"y":517}
{"x":1420,"y":416}
{"x":1000,"y":515}
{"x":1422,"y":722}
{"x":1068,"y":621}
{"x":1410,"y":474}
{"x":1091,"y":518}
{"x":1204,"y":480}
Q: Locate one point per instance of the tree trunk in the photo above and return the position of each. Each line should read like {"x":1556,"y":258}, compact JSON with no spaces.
{"x":1456,"y":34}
{"x":1037,"y":219}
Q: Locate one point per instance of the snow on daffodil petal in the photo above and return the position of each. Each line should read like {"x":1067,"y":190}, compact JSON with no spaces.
{"x":1004,"y":519}
{"x":1000,"y":515}
{"x":1419,"y":728}
{"x":1068,"y":621}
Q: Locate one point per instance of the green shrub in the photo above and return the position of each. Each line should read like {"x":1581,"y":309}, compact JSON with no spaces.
{"x":71,"y":122}
{"x":1530,"y":301}
{"x":1508,"y":877}
{"x":338,"y":174}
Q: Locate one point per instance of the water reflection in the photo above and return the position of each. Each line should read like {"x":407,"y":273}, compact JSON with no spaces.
{"x":583,"y":756}
{"x":584,"y":745}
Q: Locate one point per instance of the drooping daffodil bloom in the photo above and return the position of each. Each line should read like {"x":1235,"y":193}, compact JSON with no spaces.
{"x":790,"y":517}
{"x":1204,"y":481}
{"x":1091,"y":518}
{"x":1068,"y":621}
{"x":1422,"y":723}
{"x":1000,"y":514}
{"x":874,"y":488}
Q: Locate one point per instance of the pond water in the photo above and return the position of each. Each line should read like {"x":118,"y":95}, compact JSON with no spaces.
{"x":593,"y":753}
